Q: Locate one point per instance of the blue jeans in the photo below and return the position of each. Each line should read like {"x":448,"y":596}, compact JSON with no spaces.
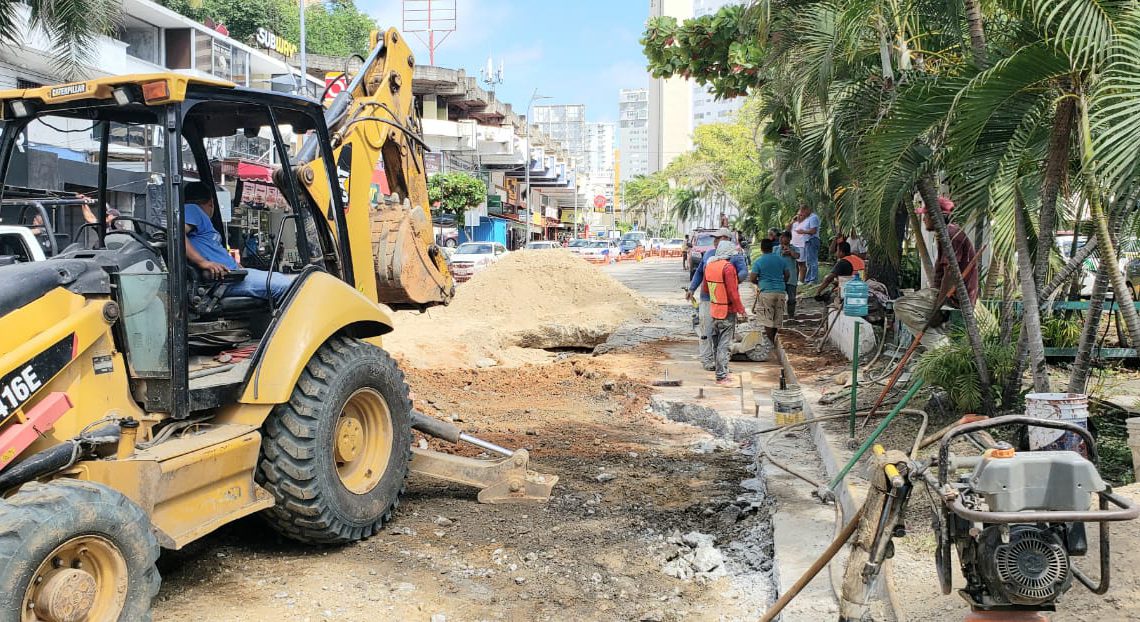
{"x":254,"y":285}
{"x":810,"y":257}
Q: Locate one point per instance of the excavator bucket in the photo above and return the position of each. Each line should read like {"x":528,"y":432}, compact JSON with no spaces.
{"x":408,"y":271}
{"x":376,"y":141}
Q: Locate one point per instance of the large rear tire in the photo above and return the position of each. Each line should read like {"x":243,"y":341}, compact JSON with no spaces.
{"x":335,"y":456}
{"x":75,"y":550}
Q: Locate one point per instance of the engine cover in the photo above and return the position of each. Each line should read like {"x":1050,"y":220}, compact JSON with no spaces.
{"x":1031,"y":569}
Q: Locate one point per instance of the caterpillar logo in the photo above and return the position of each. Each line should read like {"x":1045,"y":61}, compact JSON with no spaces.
{"x":68,"y":89}
{"x":271,"y":41}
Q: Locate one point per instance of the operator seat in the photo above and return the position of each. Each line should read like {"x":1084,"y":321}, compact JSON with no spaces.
{"x":207,"y":296}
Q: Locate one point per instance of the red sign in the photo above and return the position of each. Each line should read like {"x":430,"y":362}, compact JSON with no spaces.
{"x":335,"y":82}
{"x":599,"y":201}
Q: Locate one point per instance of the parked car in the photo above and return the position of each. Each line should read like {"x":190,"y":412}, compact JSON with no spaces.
{"x":639,"y":237}
{"x":542,"y":245}
{"x":1128,"y":262}
{"x":19,"y":245}
{"x":473,"y":257}
{"x":627,"y":247}
{"x":702,"y":241}
{"x":674,"y":244}
{"x":595,"y":249}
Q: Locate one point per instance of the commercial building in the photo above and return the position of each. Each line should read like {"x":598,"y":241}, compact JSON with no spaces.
{"x":469,"y":130}
{"x":670,"y":101}
{"x":600,"y":148}
{"x":633,"y":120}
{"x":565,"y":123}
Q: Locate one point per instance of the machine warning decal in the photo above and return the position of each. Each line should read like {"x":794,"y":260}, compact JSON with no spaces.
{"x":103,"y":364}
{"x":17,"y":386}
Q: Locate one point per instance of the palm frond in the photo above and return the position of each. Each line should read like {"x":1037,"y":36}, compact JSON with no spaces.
{"x":1114,"y":110}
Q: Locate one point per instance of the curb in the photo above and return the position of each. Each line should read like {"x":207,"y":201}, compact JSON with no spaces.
{"x":845,"y":494}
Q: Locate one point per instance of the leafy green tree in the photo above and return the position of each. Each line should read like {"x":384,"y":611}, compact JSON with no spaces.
{"x":334,"y":28}
{"x":455,"y":193}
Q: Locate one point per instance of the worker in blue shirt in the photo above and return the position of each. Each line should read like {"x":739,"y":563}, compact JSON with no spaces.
{"x":205,"y":251}
{"x":703,"y":314}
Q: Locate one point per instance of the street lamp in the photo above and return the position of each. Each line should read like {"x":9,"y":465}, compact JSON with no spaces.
{"x":529,"y":121}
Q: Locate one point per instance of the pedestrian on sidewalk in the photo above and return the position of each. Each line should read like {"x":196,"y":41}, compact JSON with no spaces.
{"x":724,"y":304}
{"x":806,"y":226}
{"x":772,"y":274}
{"x":704,"y":325}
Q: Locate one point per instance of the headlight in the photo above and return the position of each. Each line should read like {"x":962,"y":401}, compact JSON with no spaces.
{"x":20,"y":108}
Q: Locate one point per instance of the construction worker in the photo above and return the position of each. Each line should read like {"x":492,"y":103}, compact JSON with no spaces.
{"x":791,"y":256}
{"x":772,"y":274}
{"x":845,"y":268}
{"x":915,"y":309}
{"x":724,"y":304}
{"x":704,"y":325}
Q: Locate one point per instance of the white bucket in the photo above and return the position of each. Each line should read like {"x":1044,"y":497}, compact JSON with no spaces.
{"x":788,"y":405}
{"x":1068,"y":407}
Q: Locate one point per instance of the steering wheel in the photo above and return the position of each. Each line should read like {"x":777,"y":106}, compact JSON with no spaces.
{"x":156,"y":241}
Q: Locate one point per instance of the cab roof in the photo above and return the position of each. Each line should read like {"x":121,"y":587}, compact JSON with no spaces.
{"x":103,"y":88}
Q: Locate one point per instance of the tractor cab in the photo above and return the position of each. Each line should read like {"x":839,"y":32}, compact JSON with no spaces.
{"x":190,"y":339}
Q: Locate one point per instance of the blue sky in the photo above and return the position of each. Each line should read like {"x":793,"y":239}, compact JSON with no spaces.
{"x":577,"y":51}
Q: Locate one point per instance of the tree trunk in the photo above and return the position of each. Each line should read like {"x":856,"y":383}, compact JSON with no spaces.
{"x":1105,"y":247}
{"x":881,"y":266}
{"x":1012,"y":386}
{"x":1082,"y":364}
{"x":1056,"y":165}
{"x":1069,"y":271}
{"x":977,"y":34}
{"x":927,"y":266}
{"x":1008,"y":316}
{"x":926,"y":188}
{"x":1031,"y":315}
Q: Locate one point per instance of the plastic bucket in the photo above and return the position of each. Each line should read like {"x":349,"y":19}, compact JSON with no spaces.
{"x":788,"y":405}
{"x":1068,"y":407}
{"x":1133,"y":424}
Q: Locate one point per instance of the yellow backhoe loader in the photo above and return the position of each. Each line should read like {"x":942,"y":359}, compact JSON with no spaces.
{"x":146,"y":400}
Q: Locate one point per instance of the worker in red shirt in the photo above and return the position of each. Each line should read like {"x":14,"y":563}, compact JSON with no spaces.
{"x":914,"y":309}
{"x":724,"y":305}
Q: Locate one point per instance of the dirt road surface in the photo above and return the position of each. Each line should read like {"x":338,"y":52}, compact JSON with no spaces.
{"x":631,"y":482}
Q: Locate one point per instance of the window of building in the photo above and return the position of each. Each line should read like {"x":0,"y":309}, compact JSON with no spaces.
{"x":24,"y":83}
{"x":141,"y":39}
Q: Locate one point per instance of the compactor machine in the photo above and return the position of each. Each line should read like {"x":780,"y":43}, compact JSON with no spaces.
{"x":143,"y":407}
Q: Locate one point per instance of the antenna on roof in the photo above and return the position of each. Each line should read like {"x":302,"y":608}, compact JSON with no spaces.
{"x":489,"y":76}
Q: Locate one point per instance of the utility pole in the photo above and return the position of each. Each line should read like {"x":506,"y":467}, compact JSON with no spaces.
{"x":529,"y":151}
{"x":304,"y":59}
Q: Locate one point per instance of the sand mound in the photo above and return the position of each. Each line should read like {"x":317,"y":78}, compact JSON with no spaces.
{"x":512,"y":311}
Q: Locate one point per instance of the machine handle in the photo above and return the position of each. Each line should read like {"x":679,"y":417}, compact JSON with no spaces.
{"x":944,"y":447}
{"x":1127,"y":511}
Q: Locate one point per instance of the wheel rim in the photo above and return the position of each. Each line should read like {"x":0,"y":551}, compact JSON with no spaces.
{"x":362,"y":441}
{"x":83,"y":580}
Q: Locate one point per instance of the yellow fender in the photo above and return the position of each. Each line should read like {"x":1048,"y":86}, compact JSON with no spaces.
{"x":323,"y":307}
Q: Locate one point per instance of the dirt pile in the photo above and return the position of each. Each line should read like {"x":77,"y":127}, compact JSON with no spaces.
{"x":514,"y":311}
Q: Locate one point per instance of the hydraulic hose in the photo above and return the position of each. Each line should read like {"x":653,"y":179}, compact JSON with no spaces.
{"x":55,"y":458}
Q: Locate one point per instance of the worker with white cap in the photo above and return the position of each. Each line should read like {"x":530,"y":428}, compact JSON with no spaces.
{"x":704,"y":325}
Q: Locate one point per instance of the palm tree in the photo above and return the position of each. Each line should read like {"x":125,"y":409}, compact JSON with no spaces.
{"x":72,"y":27}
